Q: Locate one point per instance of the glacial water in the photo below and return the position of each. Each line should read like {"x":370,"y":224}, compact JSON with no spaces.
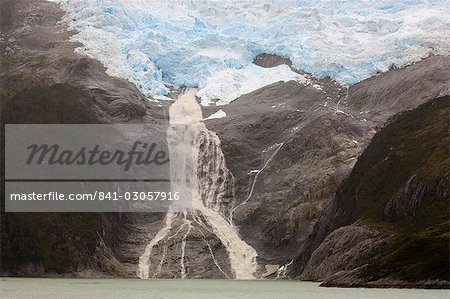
{"x":37,"y":288}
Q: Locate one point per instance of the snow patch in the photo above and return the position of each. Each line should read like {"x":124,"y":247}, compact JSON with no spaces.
{"x":318,"y":86}
{"x":218,"y":114}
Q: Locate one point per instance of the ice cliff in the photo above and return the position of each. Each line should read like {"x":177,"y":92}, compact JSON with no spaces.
{"x":211,"y":44}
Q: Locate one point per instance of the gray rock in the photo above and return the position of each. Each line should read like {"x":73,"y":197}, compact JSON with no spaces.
{"x":320,"y":144}
{"x":346,"y":248}
{"x":412,"y":194}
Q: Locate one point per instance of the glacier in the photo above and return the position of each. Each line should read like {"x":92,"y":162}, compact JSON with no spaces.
{"x":210,"y":45}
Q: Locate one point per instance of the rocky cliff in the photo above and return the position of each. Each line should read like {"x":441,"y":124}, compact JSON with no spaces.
{"x":392,"y":210}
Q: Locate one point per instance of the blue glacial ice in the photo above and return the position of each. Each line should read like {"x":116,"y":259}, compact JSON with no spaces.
{"x":211,"y":44}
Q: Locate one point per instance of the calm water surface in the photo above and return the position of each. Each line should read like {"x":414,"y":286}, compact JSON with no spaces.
{"x":194,"y":289}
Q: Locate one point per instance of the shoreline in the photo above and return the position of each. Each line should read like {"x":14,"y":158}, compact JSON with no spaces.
{"x":381,"y":284}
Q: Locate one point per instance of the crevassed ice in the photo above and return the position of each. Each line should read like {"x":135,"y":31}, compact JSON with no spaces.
{"x":211,"y":44}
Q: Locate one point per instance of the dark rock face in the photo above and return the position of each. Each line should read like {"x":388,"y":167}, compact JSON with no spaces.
{"x":400,"y":186}
{"x":29,"y":270}
{"x":346,"y":248}
{"x":408,"y":199}
{"x":351,"y":278}
{"x":269,"y":60}
{"x":345,"y":279}
{"x":41,"y":73}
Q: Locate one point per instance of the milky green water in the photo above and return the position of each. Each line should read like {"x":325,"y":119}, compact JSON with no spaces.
{"x":194,"y":289}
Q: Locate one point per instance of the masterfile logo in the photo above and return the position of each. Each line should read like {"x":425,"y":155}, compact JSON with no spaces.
{"x":90,"y":168}
{"x":141,"y":153}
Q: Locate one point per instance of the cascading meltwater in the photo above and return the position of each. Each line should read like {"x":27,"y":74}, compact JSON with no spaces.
{"x":198,"y":167}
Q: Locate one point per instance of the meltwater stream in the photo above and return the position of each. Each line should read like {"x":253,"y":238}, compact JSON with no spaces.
{"x":198,"y":167}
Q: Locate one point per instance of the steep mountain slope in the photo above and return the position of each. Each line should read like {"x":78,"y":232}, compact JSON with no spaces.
{"x":44,"y":82}
{"x":293,"y":145}
{"x":398,"y":195}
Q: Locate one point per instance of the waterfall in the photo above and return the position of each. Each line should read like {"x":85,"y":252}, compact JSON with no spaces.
{"x":198,"y":167}
{"x":144,"y":260}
